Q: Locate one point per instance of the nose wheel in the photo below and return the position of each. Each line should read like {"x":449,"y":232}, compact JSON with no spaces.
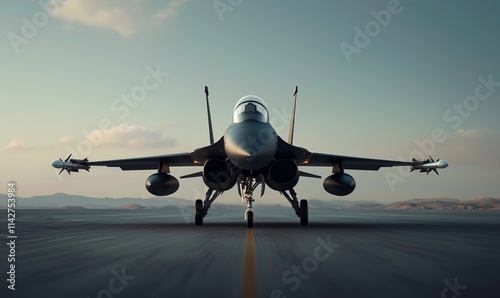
{"x":249,"y":216}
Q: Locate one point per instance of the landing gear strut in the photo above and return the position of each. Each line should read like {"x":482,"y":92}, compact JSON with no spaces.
{"x":246,"y":186}
{"x":300,"y":209}
{"x":201,"y":208}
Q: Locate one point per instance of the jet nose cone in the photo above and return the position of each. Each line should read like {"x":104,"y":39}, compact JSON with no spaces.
{"x":250,"y":146}
{"x":442,"y":164}
{"x":241,"y":152}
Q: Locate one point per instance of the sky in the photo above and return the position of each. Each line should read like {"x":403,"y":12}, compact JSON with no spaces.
{"x":380,"y":79}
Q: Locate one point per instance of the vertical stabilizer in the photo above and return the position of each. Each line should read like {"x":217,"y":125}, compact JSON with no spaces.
{"x":210,"y":130}
{"x":292,"y":121}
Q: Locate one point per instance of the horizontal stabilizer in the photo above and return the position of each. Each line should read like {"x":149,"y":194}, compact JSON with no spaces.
{"x":305,"y":174}
{"x":194,"y":175}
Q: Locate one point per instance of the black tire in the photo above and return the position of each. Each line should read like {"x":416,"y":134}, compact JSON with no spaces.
{"x":250,"y":219}
{"x":198,"y":213}
{"x":304,"y":213}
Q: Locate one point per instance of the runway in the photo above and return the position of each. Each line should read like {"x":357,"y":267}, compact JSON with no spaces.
{"x":342,"y":253}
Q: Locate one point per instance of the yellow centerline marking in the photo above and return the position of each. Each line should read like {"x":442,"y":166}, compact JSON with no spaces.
{"x":249,"y":289}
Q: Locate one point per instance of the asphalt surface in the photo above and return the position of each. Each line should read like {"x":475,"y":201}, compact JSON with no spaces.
{"x":342,"y":253}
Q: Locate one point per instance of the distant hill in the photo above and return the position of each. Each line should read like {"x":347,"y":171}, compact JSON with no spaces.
{"x":343,"y":204}
{"x":61,"y":200}
{"x":447,"y":204}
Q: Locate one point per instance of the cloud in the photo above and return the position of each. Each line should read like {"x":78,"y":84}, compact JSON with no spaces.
{"x":170,"y":10}
{"x":16,"y":145}
{"x":126,"y":17}
{"x":468,"y":133}
{"x":131,"y":136}
{"x":65,"y":140}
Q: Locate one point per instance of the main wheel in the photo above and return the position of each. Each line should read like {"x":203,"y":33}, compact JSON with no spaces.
{"x":250,"y":219}
{"x":198,"y":213}
{"x":304,"y":213}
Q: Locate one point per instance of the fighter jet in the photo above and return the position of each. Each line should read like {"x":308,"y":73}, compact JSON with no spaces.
{"x":248,"y":155}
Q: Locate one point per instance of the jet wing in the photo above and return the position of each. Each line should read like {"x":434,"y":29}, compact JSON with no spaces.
{"x":195,"y":158}
{"x":338,"y":162}
{"x":352,"y":163}
{"x":147,"y":163}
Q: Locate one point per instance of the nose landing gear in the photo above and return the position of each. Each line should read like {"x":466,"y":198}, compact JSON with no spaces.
{"x":246,"y":186}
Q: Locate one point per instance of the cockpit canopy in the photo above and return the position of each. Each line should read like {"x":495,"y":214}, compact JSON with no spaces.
{"x":250,"y":108}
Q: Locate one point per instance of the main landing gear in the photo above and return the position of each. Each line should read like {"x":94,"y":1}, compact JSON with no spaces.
{"x":201,"y":208}
{"x":300,"y":208}
{"x":246,"y":186}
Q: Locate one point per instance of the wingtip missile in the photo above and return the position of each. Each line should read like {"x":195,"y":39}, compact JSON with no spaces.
{"x":70,"y":165}
{"x":428,"y":165}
